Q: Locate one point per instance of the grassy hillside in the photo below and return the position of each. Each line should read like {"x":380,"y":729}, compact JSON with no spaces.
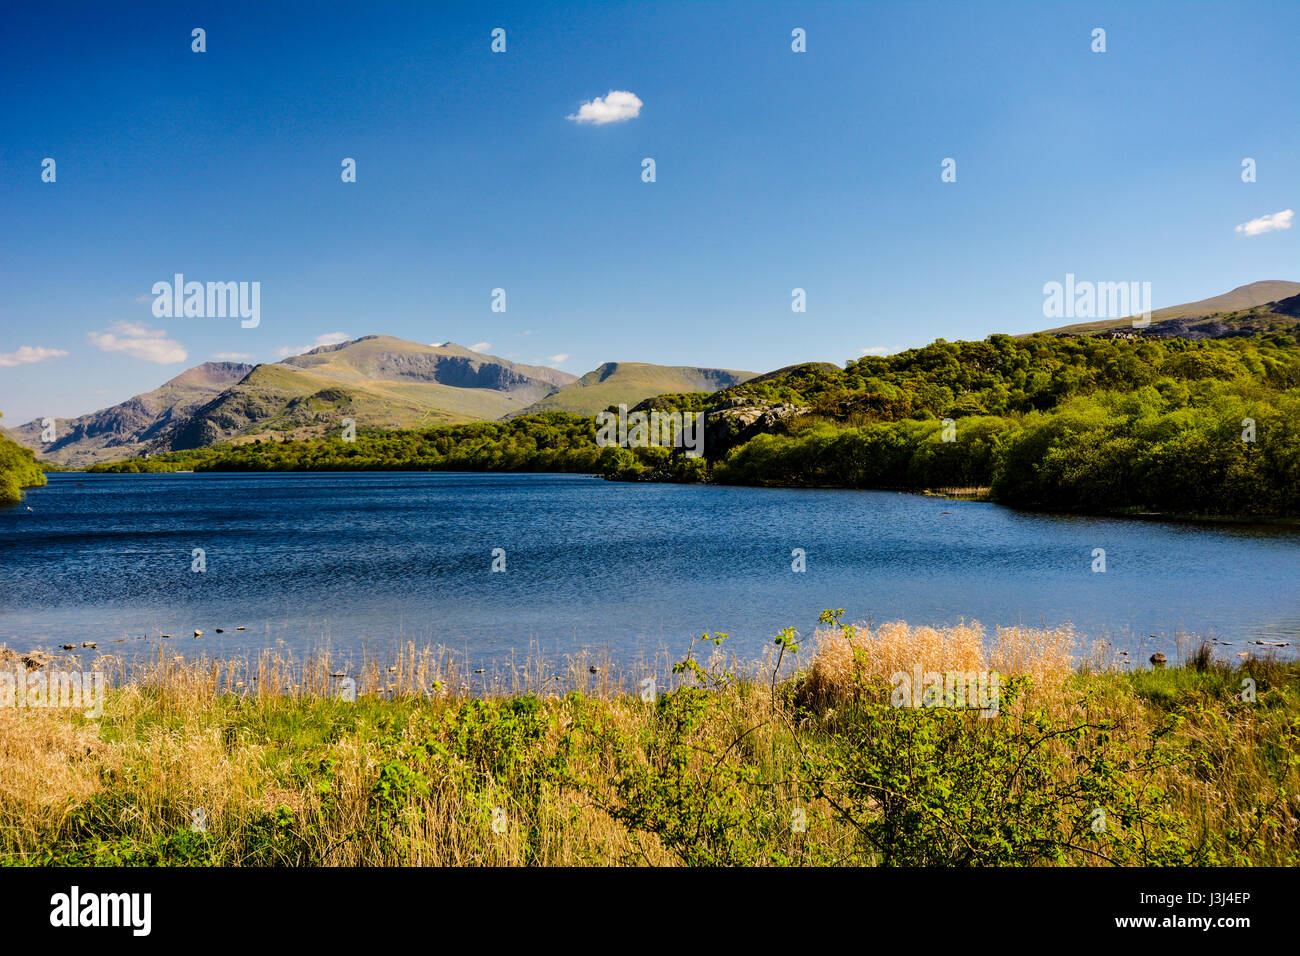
{"x":389,"y":359}
{"x":378,"y":381}
{"x":279,"y":399}
{"x":629,"y":383}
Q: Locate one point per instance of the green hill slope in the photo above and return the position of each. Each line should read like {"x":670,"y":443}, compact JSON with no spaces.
{"x":631,"y":382}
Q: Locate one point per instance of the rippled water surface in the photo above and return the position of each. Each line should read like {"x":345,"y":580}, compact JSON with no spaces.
{"x":357,"y":559}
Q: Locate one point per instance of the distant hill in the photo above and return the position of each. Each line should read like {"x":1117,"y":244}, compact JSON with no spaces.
{"x":1247,"y":309}
{"x":130,"y":427}
{"x":378,"y":381}
{"x":631,"y":382}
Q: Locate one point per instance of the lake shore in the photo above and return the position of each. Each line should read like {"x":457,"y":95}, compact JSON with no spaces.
{"x":808,"y":757}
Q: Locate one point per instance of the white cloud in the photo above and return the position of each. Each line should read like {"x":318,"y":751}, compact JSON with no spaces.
{"x":138,"y":341}
{"x":876,"y":350}
{"x":480,"y":346}
{"x":614,"y":107}
{"x":27,"y":354}
{"x":232,"y":356}
{"x":1279,"y":220}
{"x":562,"y":357}
{"x":329,"y":338}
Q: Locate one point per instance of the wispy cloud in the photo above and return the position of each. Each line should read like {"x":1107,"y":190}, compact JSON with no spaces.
{"x":1279,"y":220}
{"x":138,"y":341}
{"x":232,"y":356}
{"x":614,"y":107}
{"x":876,"y":350}
{"x":329,"y":338}
{"x":562,"y":357}
{"x":480,"y":346}
{"x":27,"y":354}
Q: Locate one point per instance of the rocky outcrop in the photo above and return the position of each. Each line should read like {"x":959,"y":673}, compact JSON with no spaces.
{"x":735,"y":421}
{"x":31,"y":661}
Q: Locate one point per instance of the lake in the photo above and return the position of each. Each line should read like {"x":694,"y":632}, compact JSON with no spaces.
{"x":367,"y":559}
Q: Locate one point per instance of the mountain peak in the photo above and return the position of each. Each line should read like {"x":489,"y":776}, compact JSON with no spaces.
{"x":211,"y":373}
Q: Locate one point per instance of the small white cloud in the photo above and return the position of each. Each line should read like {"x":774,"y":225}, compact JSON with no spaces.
{"x":329,"y":338}
{"x":436,"y":345}
{"x":562,"y":357}
{"x":876,"y":350}
{"x":1279,"y":220}
{"x":138,"y":341}
{"x":232,"y":356}
{"x":480,"y":346}
{"x":143,"y":298}
{"x":614,"y":107}
{"x":27,"y":354}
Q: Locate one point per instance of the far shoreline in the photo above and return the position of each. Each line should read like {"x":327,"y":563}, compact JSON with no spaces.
{"x":975,"y":495}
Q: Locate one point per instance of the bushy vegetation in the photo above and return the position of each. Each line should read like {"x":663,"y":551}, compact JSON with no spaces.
{"x":1180,"y":451}
{"x":1009,"y":376}
{"x":1208,"y":427}
{"x":731,"y":766}
{"x":18,"y":470}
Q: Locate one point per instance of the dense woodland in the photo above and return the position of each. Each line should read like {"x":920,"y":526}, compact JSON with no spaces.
{"x":1206,"y":427}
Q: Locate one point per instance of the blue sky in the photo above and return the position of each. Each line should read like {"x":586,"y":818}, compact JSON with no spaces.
{"x":775,"y":170}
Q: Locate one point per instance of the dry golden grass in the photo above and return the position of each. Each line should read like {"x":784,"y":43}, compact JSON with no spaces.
{"x":48,"y":764}
{"x":844,"y":660}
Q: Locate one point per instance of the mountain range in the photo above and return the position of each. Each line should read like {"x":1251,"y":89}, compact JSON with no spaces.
{"x":380,"y":381}
{"x":377,"y":381}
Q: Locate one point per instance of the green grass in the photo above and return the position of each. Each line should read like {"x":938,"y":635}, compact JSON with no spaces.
{"x":715,"y":771}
